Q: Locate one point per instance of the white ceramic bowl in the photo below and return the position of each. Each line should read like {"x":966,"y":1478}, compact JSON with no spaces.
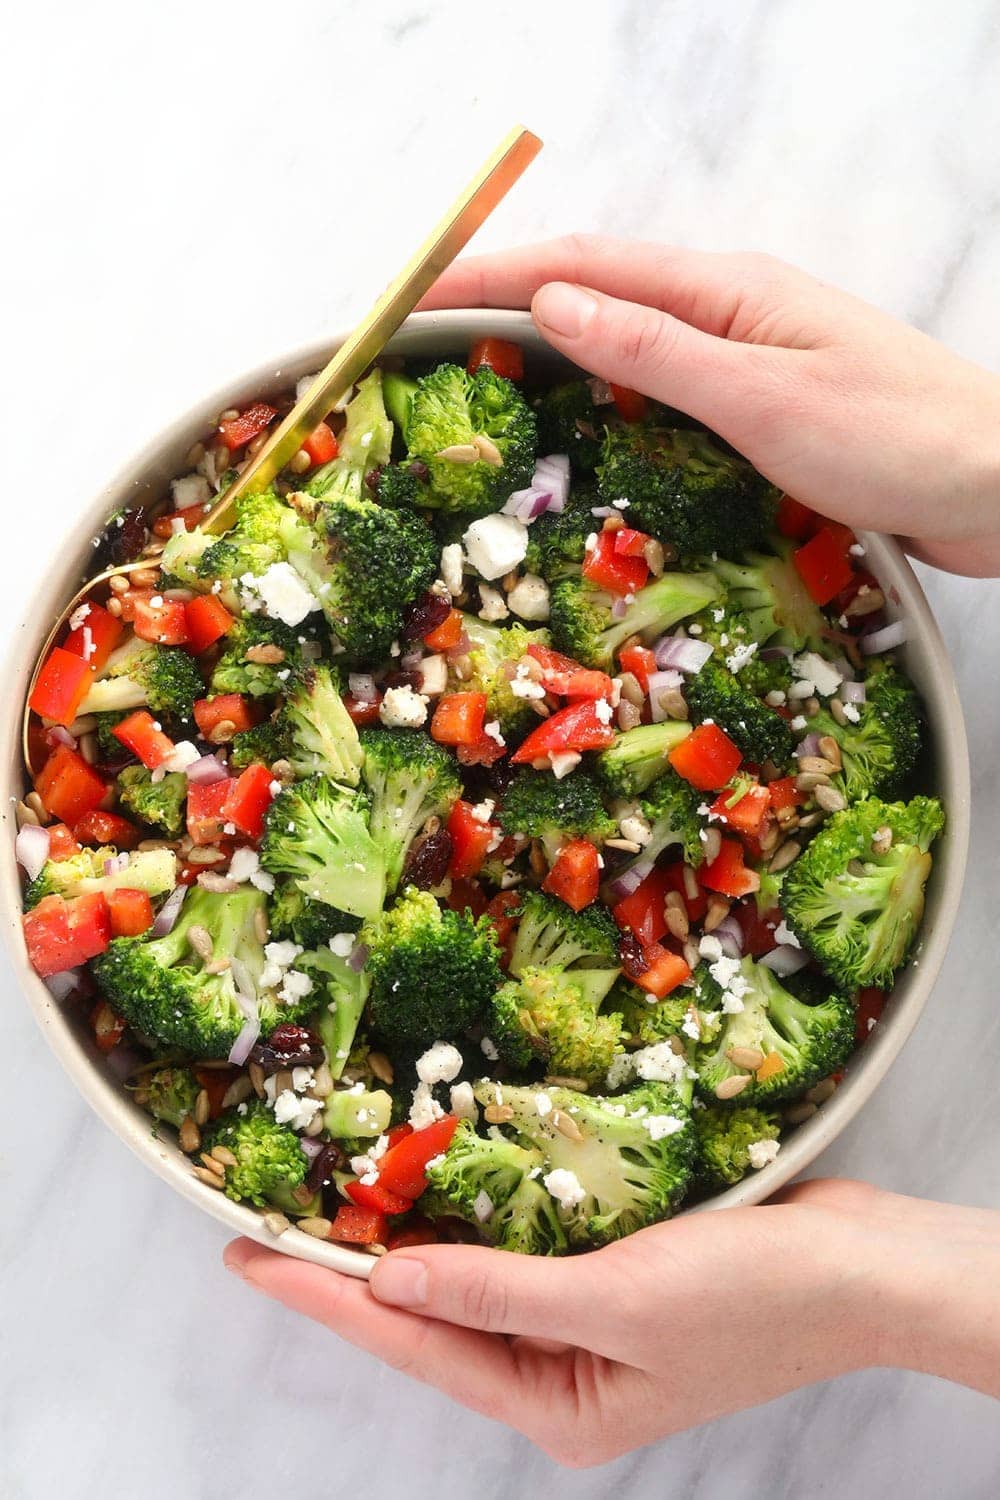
{"x":146,"y":477}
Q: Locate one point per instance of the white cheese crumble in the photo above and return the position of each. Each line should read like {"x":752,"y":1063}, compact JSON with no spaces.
{"x":659,"y":1063}
{"x":660,"y":1126}
{"x":563,"y":761}
{"x":492,"y":732}
{"x":496,"y":544}
{"x":740,"y":655}
{"x":290,"y":1109}
{"x":852,"y":713}
{"x":439,"y":1064}
{"x":489,"y":1049}
{"x":483,"y":811}
{"x":603,"y":711}
{"x":543,"y":1104}
{"x":193,"y":489}
{"x":433,"y":675}
{"x":762,"y":1153}
{"x":243,"y":865}
{"x":402,"y":708}
{"x":463,"y":1101}
{"x":564,"y":1186}
{"x":183,"y":754}
{"x":529,"y":598}
{"x":635,"y":828}
{"x":451,"y":567}
{"x":78,"y":616}
{"x":492,"y":605}
{"x":342,"y":944}
{"x":284,"y":594}
{"x":823,"y":674}
{"x":425,"y":1109}
{"x":783,"y":934}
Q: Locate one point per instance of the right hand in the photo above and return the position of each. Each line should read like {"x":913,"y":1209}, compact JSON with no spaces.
{"x":850,"y":411}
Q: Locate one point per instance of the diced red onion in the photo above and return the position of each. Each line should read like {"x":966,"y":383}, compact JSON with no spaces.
{"x":60,"y":735}
{"x":619,"y":609}
{"x":358,"y":957}
{"x":169,"y":912}
{"x":809,"y":745}
{"x":244,"y":1043}
{"x":886,"y":639}
{"x":785,"y":959}
{"x":410,"y":660}
{"x":600,"y":391}
{"x":362,"y":686}
{"x":661,"y":682}
{"x":462,"y":647}
{"x":310,"y":1148}
{"x":206,"y":771}
{"x":527,"y":505}
{"x":730,"y":935}
{"x":61,"y":986}
{"x":117,"y":864}
{"x":853,"y":692}
{"x":31,"y":849}
{"x":682,"y":652}
{"x":630,"y":880}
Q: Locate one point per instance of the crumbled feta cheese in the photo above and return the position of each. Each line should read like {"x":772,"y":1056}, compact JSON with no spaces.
{"x":183,"y":754}
{"x":740,"y":655}
{"x":635,"y":828}
{"x":660,"y":1126}
{"x":243,"y":865}
{"x":492,"y":604}
{"x":290,"y":1109}
{"x":543,"y":1104}
{"x":433,"y":675}
{"x":526,"y":687}
{"x":603,"y":711}
{"x":563,"y":761}
{"x":492,"y":732}
{"x":439,"y":1064}
{"x":529,"y":598}
{"x":402,"y":708}
{"x":425,"y":1109}
{"x":659,"y":1063}
{"x":799,"y":723}
{"x":278,"y":957}
{"x":496,"y":544}
{"x":285,"y":596}
{"x":709,"y":946}
{"x":852,"y":713}
{"x":296,"y":986}
{"x":193,"y":489}
{"x":483,"y":811}
{"x":262,"y":881}
{"x":342,"y":944}
{"x":78,"y":616}
{"x":451,"y":567}
{"x":823,"y":674}
{"x":775,"y":698}
{"x":564,"y":1186}
{"x":463,"y":1101}
{"x":856,"y":549}
{"x":621,"y":503}
{"x":803,"y":688}
{"x":761,"y":1153}
{"x":621,"y":1070}
{"x":489,"y":1049}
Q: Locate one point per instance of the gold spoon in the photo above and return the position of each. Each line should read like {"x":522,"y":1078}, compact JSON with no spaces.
{"x":471,"y":208}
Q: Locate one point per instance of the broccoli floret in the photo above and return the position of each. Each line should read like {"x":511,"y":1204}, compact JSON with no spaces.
{"x":150,"y":870}
{"x":263,"y":743}
{"x":269,"y":1159}
{"x":165,"y":988}
{"x":760,"y":733}
{"x":724,"y":1137}
{"x":768,"y":895}
{"x":557,"y":540}
{"x":633,"y":1163}
{"x":180,"y":559}
{"x":550,"y":935}
{"x":235,"y":672}
{"x":409,"y":779}
{"x":323,"y":736}
{"x":494,"y":651}
{"x":671,"y":808}
{"x":809,"y":1041}
{"x":854,"y":898}
{"x":316,"y":833}
{"x":569,"y":422}
{"x":352,"y":1113}
{"x":164,"y":679}
{"x":729,"y":631}
{"x":550,"y":1018}
{"x":402,"y":487}
{"x":881,"y":749}
{"x":341,"y":994}
{"x":108,"y":747}
{"x":765,"y":594}
{"x":520,"y":1214}
{"x":159,"y":804}
{"x":253,"y":544}
{"x":585,"y":626}
{"x":646,"y":1020}
{"x":684,"y":489}
{"x":433,"y":971}
{"x":449,"y":409}
{"x":309,"y":923}
{"x":639,"y":756}
{"x":362,"y":446}
{"x":169,"y":1094}
{"x":540,"y":806}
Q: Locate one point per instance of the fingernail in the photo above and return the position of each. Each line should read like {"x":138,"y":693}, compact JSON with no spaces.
{"x":564,"y":308}
{"x":401,"y":1281}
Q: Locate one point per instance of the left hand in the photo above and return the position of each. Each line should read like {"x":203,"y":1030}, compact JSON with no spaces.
{"x":595,"y":1355}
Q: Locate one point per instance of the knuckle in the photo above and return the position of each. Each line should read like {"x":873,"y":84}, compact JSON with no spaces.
{"x":646,"y":339}
{"x":484,"y":1303}
{"x":582,"y":247}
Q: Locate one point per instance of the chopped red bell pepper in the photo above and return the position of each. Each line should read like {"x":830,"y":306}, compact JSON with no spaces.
{"x":207,"y":620}
{"x":61,"y":686}
{"x":870,"y":1004}
{"x":796,"y":520}
{"x":758,"y":931}
{"x":470,"y":839}
{"x":728,"y":873}
{"x":374,"y":1195}
{"x":631,"y":543}
{"x":664,"y":971}
{"x":248,"y":800}
{"x":421,"y":1232}
{"x":190,"y":518}
{"x":784,"y":793}
{"x":643,"y":911}
{"x":707,"y":758}
{"x":576,"y":728}
{"x":99,"y":827}
{"x":640,"y":661}
{"x":359,"y":1226}
{"x":204,"y":810}
{"x":231,"y":708}
{"x":61,"y":933}
{"x":69,"y":787}
{"x":62,"y":844}
{"x":96,"y":638}
{"x":402,"y":1169}
{"x":459,"y":719}
{"x":162,"y":621}
{"x":140,"y":734}
{"x":131,"y":912}
{"x":243,"y":429}
{"x":215,"y":1082}
{"x":321,"y":445}
{"x":109,"y":1028}
{"x":747,"y":813}
{"x":824,"y":562}
{"x":467,"y":895}
{"x":576,"y":874}
{"x":498,"y":355}
{"x":398,"y":1133}
{"x":447,"y":634}
{"x":630,"y":405}
{"x":607,"y":568}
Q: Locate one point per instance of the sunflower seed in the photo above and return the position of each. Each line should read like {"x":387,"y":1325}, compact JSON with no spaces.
{"x":211,"y":1164}
{"x":882,"y":840}
{"x":222,"y":732}
{"x":807,"y":781}
{"x":818,"y":765}
{"x":498,"y":1114}
{"x":24,"y":817}
{"x":673,"y":704}
{"x":487,"y":450}
{"x":265,"y":654}
{"x":300,"y":462}
{"x":799,"y":1113}
{"x":238,"y":1092}
{"x":322,"y":1086}
{"x":189,"y":1136}
{"x":276,"y":1223}
{"x":829,"y":748}
{"x":318,"y":1228}
{"x":830,"y":799}
{"x":822,"y":1091}
{"x":381,"y":1067}
{"x":225,"y":1156}
{"x":718,"y":911}
{"x":631,"y":690}
{"x":256,"y":1076}
{"x":208,"y":1178}
{"x":711,"y":844}
{"x":676,"y":918}
{"x":837,"y":709}
{"x":459,"y":453}
{"x":566,"y":1125}
{"x":200,"y":940}
{"x":745,"y":1057}
{"x":865,"y":602}
{"x":202,"y":1108}
{"x":627,"y":846}
{"x":731,"y":1086}
{"x":566,"y":1081}
{"x":217,"y":966}
{"x":786,"y":855}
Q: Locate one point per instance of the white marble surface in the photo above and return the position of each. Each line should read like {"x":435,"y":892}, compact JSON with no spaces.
{"x":193,"y":187}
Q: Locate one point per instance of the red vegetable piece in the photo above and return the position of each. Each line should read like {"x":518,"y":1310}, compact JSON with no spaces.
{"x":824,"y":562}
{"x":576,"y":874}
{"x":230,"y":708}
{"x":359,"y":1226}
{"x":796,"y":520}
{"x":664,"y":971}
{"x":707,"y":758}
{"x":728,"y":873}
{"x":470,"y":839}
{"x":608,"y":569}
{"x":109,"y":1028}
{"x":244,"y":428}
{"x":420,"y":1232}
{"x":467,"y":895}
{"x":99,"y":633}
{"x":162,"y":621}
{"x":374,"y":1195}
{"x":402,"y":1169}
{"x":99,"y":827}
{"x":447,"y":634}
{"x":630,"y":405}
{"x":363,"y":713}
{"x":640,"y":661}
{"x":576,"y":728}
{"x":748,"y":814}
{"x":139,"y":733}
{"x":204,"y":810}
{"x":62,"y":844}
{"x":61,"y":686}
{"x":459,"y":719}
{"x":498,"y":355}
{"x":62,"y":933}
{"x":207,"y":620}
{"x":870,"y":1004}
{"x":630,"y":543}
{"x":131,"y":912}
{"x":69,"y":787}
{"x":248,"y":800}
{"x":321,"y":445}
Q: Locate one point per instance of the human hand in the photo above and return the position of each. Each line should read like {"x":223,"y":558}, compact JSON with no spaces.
{"x":593,"y":1356}
{"x":850,"y":411}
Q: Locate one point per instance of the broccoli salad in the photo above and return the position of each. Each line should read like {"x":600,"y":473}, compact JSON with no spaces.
{"x":506,"y":831}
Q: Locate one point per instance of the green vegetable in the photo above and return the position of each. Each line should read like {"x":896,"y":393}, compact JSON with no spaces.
{"x":316,"y":833}
{"x":150,"y":870}
{"x":584,"y":626}
{"x":160,"y":804}
{"x":169,"y":1094}
{"x":551,"y":935}
{"x":759,"y":732}
{"x":164,"y":679}
{"x":550,"y":1018}
{"x":309,"y":923}
{"x":557,"y":540}
{"x":266,"y":743}
{"x":409,"y":779}
{"x":341,"y":993}
{"x":724,"y":1137}
{"x":881,"y":750}
{"x":234,"y":673}
{"x":639,"y":756}
{"x":569,"y":422}
{"x":494,"y":652}
{"x":770,"y":600}
{"x":540,"y":806}
{"x":322,"y":736}
{"x":519,"y":1214}
{"x":269,"y":1160}
{"x":357,"y":1112}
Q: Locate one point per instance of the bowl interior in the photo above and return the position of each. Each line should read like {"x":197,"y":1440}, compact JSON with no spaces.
{"x":145,"y":478}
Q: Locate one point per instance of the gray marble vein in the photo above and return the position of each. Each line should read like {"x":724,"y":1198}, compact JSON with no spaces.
{"x":192,"y":188}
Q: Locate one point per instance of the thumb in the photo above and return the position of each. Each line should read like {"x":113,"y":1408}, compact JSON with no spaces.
{"x":500,"y":1292}
{"x":708,"y":377}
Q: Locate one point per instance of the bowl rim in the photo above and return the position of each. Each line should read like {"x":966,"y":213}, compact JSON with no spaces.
{"x":153,"y":463}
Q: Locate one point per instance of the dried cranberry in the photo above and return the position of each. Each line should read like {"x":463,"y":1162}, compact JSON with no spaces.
{"x":288,"y":1046}
{"x":403,"y":679}
{"x":424,"y":615}
{"x":373,"y":477}
{"x":428,"y":860}
{"x":630,"y":952}
{"x":122,"y":539}
{"x":419,"y":470}
{"x":331,"y":1159}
